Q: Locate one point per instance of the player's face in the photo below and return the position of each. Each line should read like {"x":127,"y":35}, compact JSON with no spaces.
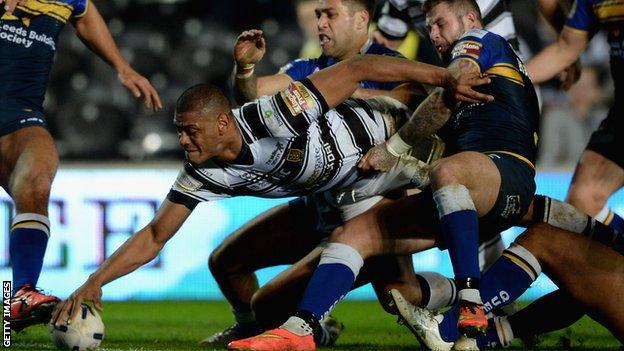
{"x":336,"y":28}
{"x":445,"y":28}
{"x":197,"y":135}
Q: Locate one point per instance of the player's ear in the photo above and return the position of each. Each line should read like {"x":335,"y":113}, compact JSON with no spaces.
{"x":472,"y":19}
{"x":224,"y":122}
{"x":361,"y":19}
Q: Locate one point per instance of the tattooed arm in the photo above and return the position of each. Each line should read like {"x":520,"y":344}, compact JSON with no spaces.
{"x":430,"y":116}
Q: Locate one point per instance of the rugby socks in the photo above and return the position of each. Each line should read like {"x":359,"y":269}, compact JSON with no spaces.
{"x":610,"y":218}
{"x":28,"y":242}
{"x":508,"y":278}
{"x":332,"y":280}
{"x":567,"y":217}
{"x":460,"y":231}
{"x":437,"y":290}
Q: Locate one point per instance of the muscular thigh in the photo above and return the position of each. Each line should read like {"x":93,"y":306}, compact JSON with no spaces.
{"x":281,"y":235}
{"x":26,"y":153}
{"x":401,"y":226}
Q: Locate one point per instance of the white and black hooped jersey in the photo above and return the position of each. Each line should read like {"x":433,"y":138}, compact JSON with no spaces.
{"x":292,"y":145}
{"x":398,"y":15}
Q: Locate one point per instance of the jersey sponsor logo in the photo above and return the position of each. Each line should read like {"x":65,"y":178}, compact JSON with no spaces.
{"x":31,"y":120}
{"x":297,"y":98}
{"x":187,"y":183}
{"x":273,"y":157}
{"x":294,"y":155}
{"x":512,"y":206}
{"x":467,"y":47}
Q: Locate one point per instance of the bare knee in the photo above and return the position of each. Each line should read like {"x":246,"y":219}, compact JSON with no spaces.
{"x":587,"y":198}
{"x":223,"y":260}
{"x":537,"y":240}
{"x":31,"y":192}
{"x":444,"y":172}
{"x":360,"y":241}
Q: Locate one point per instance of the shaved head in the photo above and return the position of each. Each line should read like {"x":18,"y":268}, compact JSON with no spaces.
{"x":206,"y":99}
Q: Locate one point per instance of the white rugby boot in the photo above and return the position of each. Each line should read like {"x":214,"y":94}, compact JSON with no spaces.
{"x":421,"y":322}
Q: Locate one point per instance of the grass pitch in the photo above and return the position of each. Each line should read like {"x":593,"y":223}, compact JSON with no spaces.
{"x":174,"y":325}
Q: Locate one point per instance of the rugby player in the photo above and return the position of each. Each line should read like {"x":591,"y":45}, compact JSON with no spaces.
{"x":589,"y":272}
{"x":485,"y":183}
{"x":343,"y":33}
{"x":236,"y":152}
{"x":398,"y":16}
{"x":28,"y":39}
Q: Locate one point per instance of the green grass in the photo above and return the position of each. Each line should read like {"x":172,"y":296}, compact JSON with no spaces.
{"x":179,"y":325}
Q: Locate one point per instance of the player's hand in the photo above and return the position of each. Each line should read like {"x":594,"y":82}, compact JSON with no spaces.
{"x":10,"y":5}
{"x":140,"y":88}
{"x":570,"y":75}
{"x":66,"y":311}
{"x":461,"y":88}
{"x":378,"y":158}
{"x":249,"y":48}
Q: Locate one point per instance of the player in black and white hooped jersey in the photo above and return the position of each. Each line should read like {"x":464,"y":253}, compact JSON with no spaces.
{"x":292,"y":144}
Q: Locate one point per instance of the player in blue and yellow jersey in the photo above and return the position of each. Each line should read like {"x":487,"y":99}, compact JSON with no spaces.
{"x":343,"y":33}
{"x":485,"y":183}
{"x":600,"y":172}
{"x":28,"y":37}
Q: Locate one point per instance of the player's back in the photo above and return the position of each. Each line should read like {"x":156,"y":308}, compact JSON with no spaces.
{"x":294,"y":145}
{"x":511,"y":122}
{"x":28,"y":42}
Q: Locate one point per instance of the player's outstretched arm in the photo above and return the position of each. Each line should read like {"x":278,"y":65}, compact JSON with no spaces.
{"x":338,"y":82}
{"x":429,"y":116}
{"x":10,"y":5}
{"x":249,"y":49}
{"x":558,"y":56}
{"x":92,"y":30}
{"x":138,"y":250}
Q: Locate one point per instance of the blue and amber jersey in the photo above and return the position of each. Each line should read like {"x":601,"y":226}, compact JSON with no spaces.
{"x":510,"y":123}
{"x":301,"y":68}
{"x":27,"y":44}
{"x":592,"y":15}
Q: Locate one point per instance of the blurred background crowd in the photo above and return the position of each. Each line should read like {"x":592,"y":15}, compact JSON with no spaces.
{"x":179,"y":43}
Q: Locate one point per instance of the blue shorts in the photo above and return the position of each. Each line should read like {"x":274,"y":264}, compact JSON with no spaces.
{"x":15,"y":119}
{"x":607,"y":139}
{"x":514,"y":197}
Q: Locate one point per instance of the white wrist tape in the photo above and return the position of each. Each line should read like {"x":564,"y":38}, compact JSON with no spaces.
{"x":396,"y":146}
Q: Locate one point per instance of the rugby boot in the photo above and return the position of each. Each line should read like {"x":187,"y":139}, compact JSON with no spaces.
{"x":421,"y":322}
{"x":294,"y":335}
{"x":331,"y":327}
{"x":30,"y":306}
{"x":472,"y":320}
{"x":235,"y":332}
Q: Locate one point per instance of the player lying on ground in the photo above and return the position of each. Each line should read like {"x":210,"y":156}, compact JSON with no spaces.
{"x":587,"y":271}
{"x":225,"y":148}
